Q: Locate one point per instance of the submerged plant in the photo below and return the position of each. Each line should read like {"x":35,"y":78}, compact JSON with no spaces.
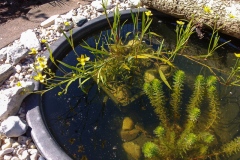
{"x":194,"y":138}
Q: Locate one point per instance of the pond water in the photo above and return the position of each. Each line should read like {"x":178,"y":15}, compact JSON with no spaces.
{"x":88,"y":126}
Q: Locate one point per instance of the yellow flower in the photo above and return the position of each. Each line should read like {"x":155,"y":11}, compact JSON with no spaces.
{"x":43,"y":41}
{"x":19,"y":84}
{"x":83,"y":59}
{"x":231,"y":15}
{"x":42,"y":60}
{"x":180,"y":22}
{"x":41,"y":66}
{"x":207,"y":9}
{"x":39,"y":77}
{"x":237,"y":55}
{"x":33,"y":51}
{"x":67,"y":23}
{"x":148,"y":13}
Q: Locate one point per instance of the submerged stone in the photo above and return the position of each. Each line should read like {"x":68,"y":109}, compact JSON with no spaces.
{"x":128,"y":124}
{"x":132,"y":149}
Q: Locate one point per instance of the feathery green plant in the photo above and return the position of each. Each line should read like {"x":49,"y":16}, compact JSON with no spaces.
{"x":192,"y":139}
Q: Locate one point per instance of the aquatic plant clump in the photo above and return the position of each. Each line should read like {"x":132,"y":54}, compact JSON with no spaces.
{"x":194,"y":138}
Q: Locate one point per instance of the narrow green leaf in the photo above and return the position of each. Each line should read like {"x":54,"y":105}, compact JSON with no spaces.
{"x":95,"y":51}
{"x":155,"y":34}
{"x":70,"y":67}
{"x":164,"y":79}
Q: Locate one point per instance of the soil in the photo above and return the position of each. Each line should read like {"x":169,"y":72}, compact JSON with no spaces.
{"x":11,"y":9}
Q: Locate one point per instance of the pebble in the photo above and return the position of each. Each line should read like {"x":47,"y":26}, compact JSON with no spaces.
{"x":34,"y":156}
{"x":32,"y":146}
{"x":24,"y":155}
{"x":18,"y":68}
{"x":32,"y":151}
{"x":7,"y":157}
{"x":6,"y":151}
{"x":22,"y":139}
{"x":14,"y":158}
{"x":15,"y":145}
{"x":7,"y":145}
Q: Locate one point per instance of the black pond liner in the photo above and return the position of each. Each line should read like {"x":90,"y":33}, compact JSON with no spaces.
{"x":43,"y":139}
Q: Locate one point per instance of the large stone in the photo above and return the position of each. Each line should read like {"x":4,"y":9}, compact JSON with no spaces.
{"x":128,"y":124}
{"x":15,"y":54}
{"x":13,"y":126}
{"x":50,"y":21}
{"x":11,"y":99}
{"x":224,"y":15}
{"x":132,"y":149}
{"x":5,"y":71}
{"x":79,"y":20}
{"x":29,"y":40}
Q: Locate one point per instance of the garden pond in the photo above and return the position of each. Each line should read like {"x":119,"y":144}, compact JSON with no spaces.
{"x":90,"y":125}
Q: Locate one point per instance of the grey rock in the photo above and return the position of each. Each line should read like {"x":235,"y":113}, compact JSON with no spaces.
{"x":22,"y":140}
{"x":11,"y":99}
{"x":5,"y":71}
{"x":50,"y":21}
{"x":13,"y":126}
{"x":16,"y":54}
{"x":79,"y":20}
{"x":29,"y":40}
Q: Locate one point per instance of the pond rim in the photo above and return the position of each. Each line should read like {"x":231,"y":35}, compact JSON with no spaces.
{"x":44,"y":141}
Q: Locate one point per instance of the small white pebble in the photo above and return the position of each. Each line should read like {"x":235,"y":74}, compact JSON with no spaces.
{"x":32,"y":151}
{"x":7,"y":157}
{"x":18,"y":68}
{"x":20,"y":77}
{"x":6,"y":145}
{"x":34,"y":156}
{"x":15,"y":144}
{"x":14,"y":158}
